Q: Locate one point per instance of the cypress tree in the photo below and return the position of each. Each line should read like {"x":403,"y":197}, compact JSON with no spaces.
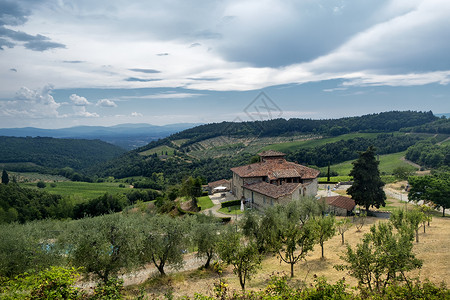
{"x":5,"y":177}
{"x":367,"y":189}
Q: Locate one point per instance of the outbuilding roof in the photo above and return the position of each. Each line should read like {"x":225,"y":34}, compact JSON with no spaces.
{"x":341,"y":201}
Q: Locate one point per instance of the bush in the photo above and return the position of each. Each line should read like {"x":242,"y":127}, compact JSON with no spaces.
{"x":41,"y":184}
{"x":231,"y":203}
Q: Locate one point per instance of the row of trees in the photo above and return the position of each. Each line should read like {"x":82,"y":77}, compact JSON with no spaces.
{"x":107,"y":246}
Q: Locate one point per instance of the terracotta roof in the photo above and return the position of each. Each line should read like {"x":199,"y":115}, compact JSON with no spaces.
{"x":276,"y":169}
{"x":218,"y":183}
{"x":272,"y":190}
{"x":341,"y":201}
{"x":271,"y":153}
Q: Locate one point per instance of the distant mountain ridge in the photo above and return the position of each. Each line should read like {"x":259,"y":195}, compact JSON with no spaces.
{"x":127,"y":136}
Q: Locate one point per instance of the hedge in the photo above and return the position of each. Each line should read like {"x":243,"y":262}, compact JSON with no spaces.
{"x":230,"y":203}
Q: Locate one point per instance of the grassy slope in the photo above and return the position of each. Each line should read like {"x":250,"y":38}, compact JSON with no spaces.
{"x":204,"y":202}
{"x":291,"y":146}
{"x":388,"y":163}
{"x":82,"y":190}
{"x":158,"y":150}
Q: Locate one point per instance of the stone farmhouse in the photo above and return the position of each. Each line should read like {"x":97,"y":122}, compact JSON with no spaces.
{"x":273,"y":180}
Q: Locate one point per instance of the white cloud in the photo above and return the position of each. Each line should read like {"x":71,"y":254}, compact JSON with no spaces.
{"x":106,"y":103}
{"x":78,"y":100}
{"x":136,"y":114}
{"x":31,"y":104}
{"x":167,"y":95}
{"x":80,"y":111}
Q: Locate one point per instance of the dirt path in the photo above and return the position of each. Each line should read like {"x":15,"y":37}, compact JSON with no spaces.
{"x":410,"y":163}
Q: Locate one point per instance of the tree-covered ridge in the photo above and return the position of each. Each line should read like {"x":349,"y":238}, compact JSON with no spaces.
{"x":441,"y":125}
{"x":177,"y":167}
{"x":379,"y":122}
{"x":56,"y":153}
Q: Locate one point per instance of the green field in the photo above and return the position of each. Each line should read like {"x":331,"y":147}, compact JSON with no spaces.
{"x":388,"y":163}
{"x":292,"y":146}
{"x":83,"y":190}
{"x":204,"y":202}
{"x":160,"y":150}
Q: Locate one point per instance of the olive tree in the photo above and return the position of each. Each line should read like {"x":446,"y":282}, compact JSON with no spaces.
{"x":342,"y":226}
{"x":104,"y":246}
{"x":242,"y":255}
{"x":383,"y":258}
{"x":164,"y":241}
{"x":206,"y":234}
{"x":325,"y":229}
{"x":29,"y":247}
{"x":294,"y":231}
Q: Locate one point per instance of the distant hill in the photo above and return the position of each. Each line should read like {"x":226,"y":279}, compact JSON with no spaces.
{"x":50,"y":153}
{"x":127,"y":136}
{"x":210,"y":150}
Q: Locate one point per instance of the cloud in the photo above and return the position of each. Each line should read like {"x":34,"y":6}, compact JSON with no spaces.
{"x":167,"y":95}
{"x":73,"y":61}
{"x":31,"y":104}
{"x":106,"y":103}
{"x":147,"y":71}
{"x":162,"y":54}
{"x":13,"y":70}
{"x":195,"y":45}
{"x":136,"y":114}
{"x":12,"y":14}
{"x":78,"y":100}
{"x":80,"y":111}
{"x":135,"y":79}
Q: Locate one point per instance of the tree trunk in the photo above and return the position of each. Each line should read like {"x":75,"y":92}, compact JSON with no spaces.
{"x":424,"y":225}
{"x":292,"y":270}
{"x":321,"y":246}
{"x":417,"y":235}
{"x":161,"y":270}
{"x":342,"y":238}
{"x":242,"y":282}
{"x":208,"y":260}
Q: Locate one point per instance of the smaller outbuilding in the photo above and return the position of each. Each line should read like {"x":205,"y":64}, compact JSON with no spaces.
{"x":219,"y":186}
{"x":339,"y":205}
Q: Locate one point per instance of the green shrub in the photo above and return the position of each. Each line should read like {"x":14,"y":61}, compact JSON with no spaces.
{"x":231,"y":203}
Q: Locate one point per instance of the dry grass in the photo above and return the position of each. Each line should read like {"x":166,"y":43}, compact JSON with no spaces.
{"x":433,"y":249}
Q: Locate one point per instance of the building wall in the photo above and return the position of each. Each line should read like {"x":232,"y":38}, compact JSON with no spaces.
{"x":236,"y":186}
{"x":257,"y":200}
{"x":337,"y":211}
{"x":312,"y":188}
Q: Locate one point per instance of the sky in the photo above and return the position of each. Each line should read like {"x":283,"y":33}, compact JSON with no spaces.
{"x":105,"y":62}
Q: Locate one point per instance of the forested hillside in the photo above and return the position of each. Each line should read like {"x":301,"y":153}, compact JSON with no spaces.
{"x":54,"y":153}
{"x":380,"y":122}
{"x":211,"y":150}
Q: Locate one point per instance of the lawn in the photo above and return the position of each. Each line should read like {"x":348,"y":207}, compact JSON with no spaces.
{"x":204,"y":202}
{"x":388,"y":163}
{"x":84,"y":190}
